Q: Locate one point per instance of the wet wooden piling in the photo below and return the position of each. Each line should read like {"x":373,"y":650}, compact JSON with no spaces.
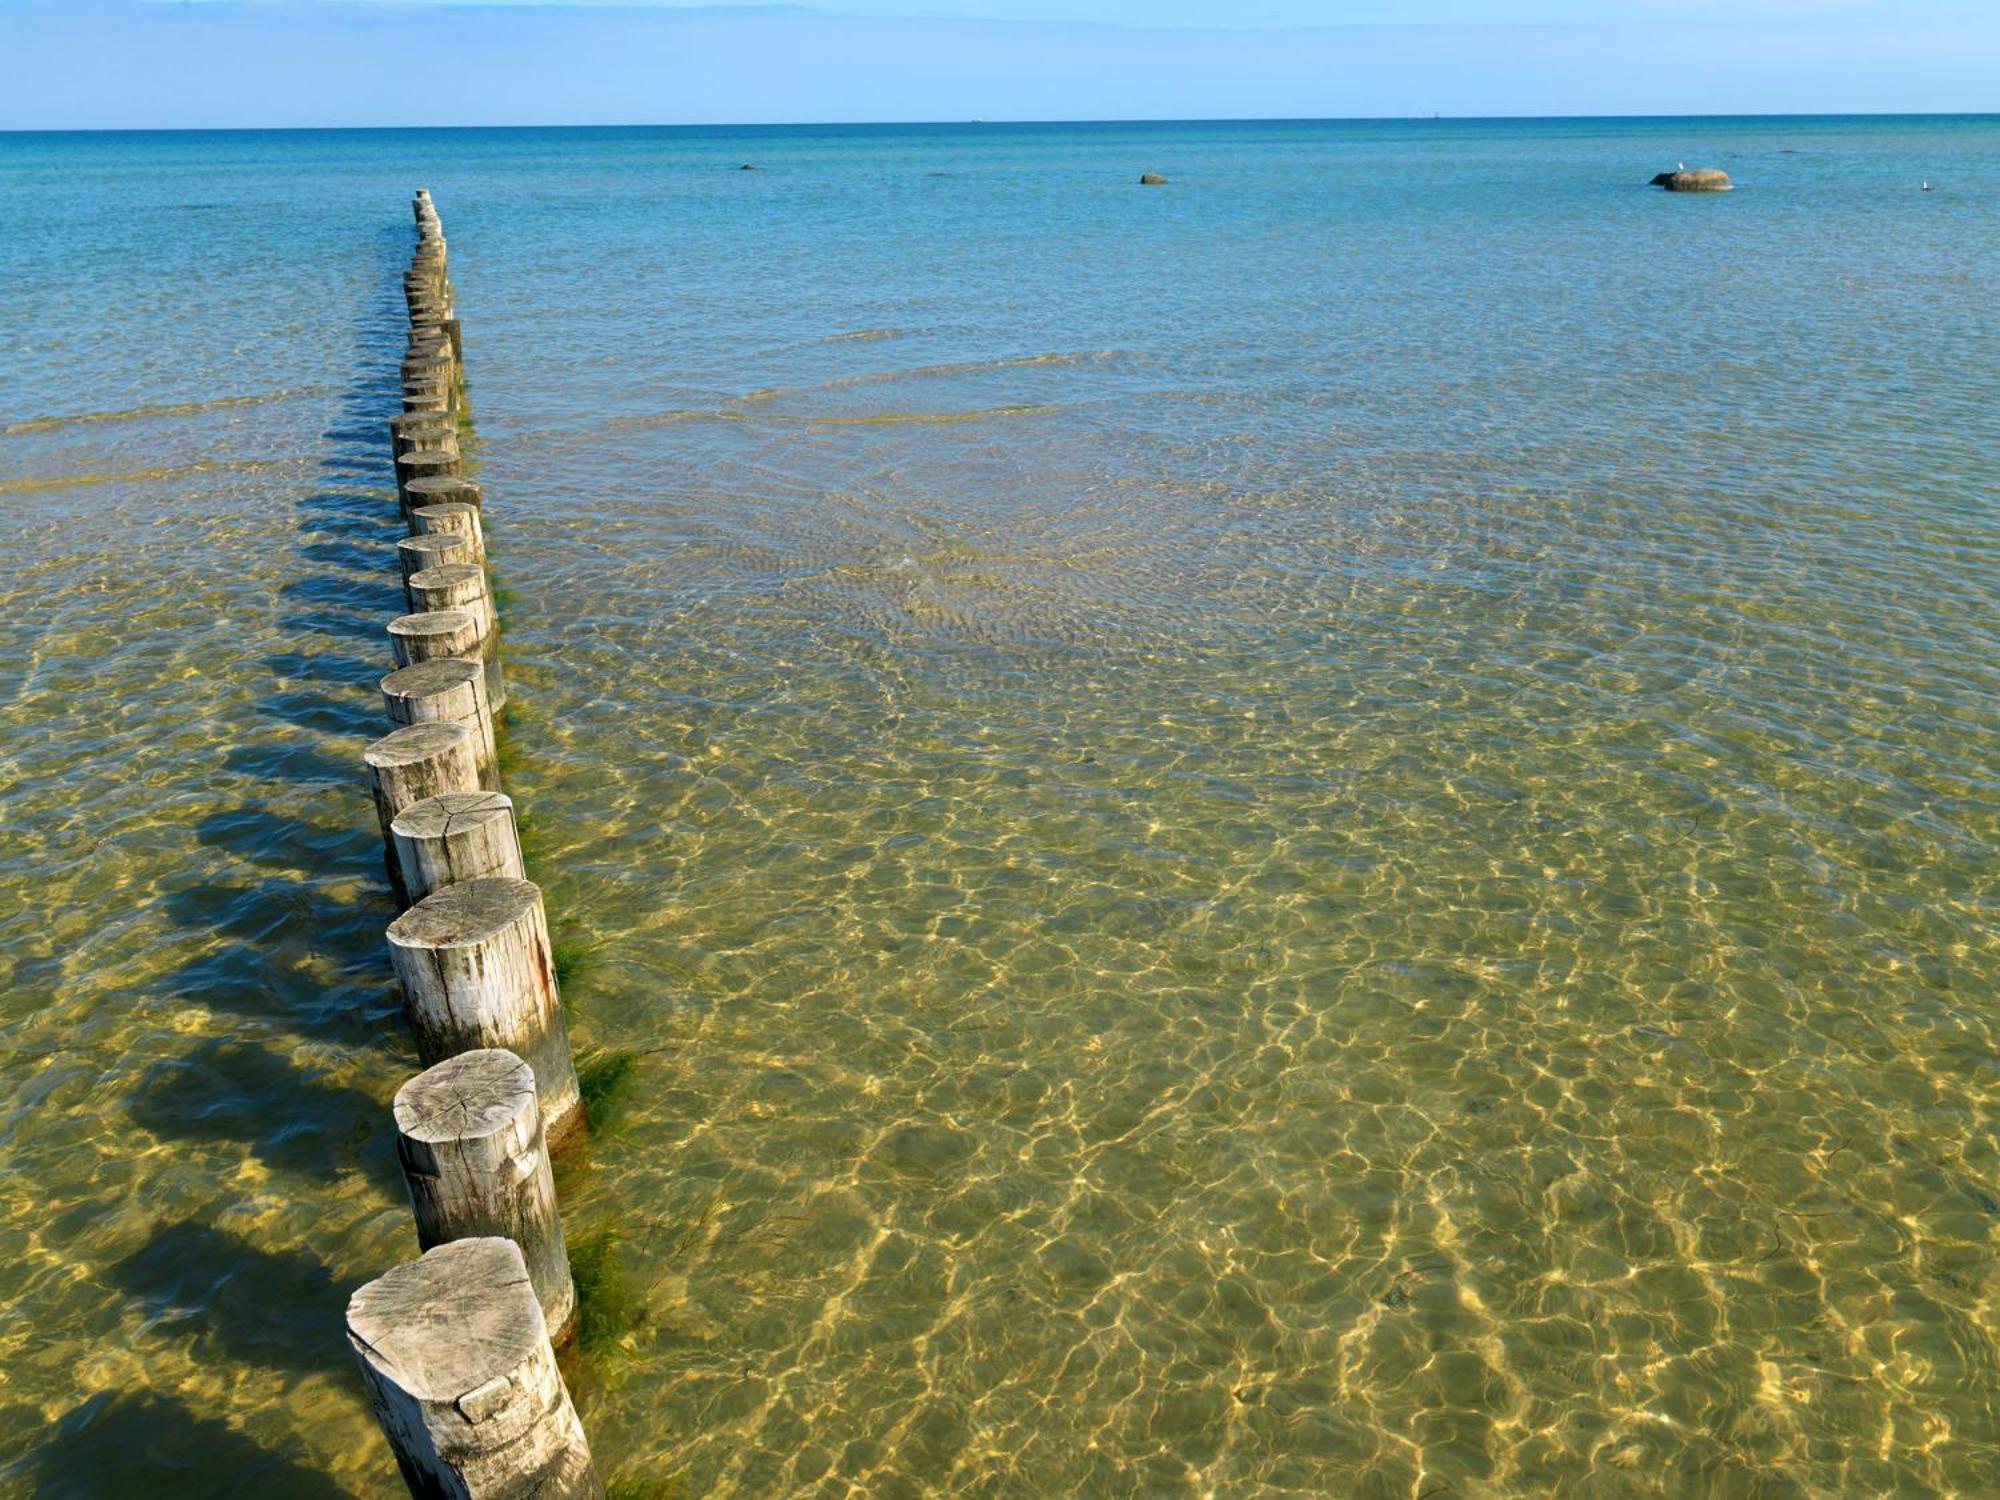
{"x":475,"y":1157}
{"x":413,"y":763}
{"x":476,"y":971}
{"x":433,"y":633}
{"x":447,"y":691}
{"x":445,"y":489}
{"x":415,"y":431}
{"x":460,"y":520}
{"x":434,"y":549}
{"x":458,"y":836}
{"x":462,"y":1375}
{"x":424,"y":463}
{"x":463,"y":586}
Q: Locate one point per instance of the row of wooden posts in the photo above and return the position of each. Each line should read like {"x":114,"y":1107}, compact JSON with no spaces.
{"x":458,"y":1346}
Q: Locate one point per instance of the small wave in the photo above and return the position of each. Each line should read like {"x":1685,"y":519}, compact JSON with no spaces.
{"x":139,"y":413}
{"x":863,"y":335}
{"x":976,"y":367}
{"x":935,"y":418}
{"x":130,"y":476}
{"x":677,"y":414}
{"x":935,"y":372}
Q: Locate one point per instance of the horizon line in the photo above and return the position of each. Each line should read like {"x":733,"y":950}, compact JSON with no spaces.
{"x":1003,"y":121}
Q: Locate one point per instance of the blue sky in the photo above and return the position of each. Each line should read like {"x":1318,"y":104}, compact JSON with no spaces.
{"x":70,"y":64}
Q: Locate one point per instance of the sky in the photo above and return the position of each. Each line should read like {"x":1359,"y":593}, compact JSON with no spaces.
{"x":140,"y":64}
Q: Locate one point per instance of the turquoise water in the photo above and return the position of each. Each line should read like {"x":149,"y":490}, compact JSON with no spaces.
{"x":1326,"y":830}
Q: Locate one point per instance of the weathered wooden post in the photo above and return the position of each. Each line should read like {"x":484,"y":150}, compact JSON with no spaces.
{"x":462,"y":1376}
{"x":446,"y":690}
{"x":433,"y":633}
{"x":428,"y":366}
{"x":425,"y":398}
{"x":476,"y":971}
{"x":457,"y":836}
{"x":459,"y":520}
{"x":462,"y":585}
{"x":432,"y":463}
{"x":449,"y":489}
{"x":421,"y":429}
{"x":432,"y":549}
{"x":451,"y":585}
{"x":469,"y":1134}
{"x":412,"y":764}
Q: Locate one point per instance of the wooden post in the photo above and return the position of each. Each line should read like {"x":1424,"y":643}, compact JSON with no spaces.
{"x":432,"y":549}
{"x":463,"y":586}
{"x":452,"y":517}
{"x":460,"y":1371}
{"x":474,"y":962}
{"x":425,"y":398}
{"x":458,"y":836}
{"x":413,"y":431}
{"x":422,"y":465}
{"x":446,"y":691}
{"x":469,"y":1133}
{"x":452,"y":585}
{"x":434,"y":633}
{"x":420,"y":368}
{"x":431,"y":390}
{"x":444,"y":490}
{"x":429,"y":358}
{"x":429,"y":361}
{"x":416,"y":762}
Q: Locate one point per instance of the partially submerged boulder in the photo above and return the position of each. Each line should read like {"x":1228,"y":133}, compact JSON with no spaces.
{"x":1695,"y":180}
{"x":1151,"y":179}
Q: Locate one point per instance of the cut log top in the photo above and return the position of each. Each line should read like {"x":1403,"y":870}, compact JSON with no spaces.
{"x":470,"y":1097}
{"x":446,"y":515}
{"x":429,"y":678}
{"x":446,"y":1326}
{"x":441,"y":817}
{"x":415,"y":743}
{"x":433,"y":624}
{"x":466,"y":914}
{"x":436,"y":489}
{"x":433,"y":549}
{"x":416,"y":421}
{"x":447,"y":575}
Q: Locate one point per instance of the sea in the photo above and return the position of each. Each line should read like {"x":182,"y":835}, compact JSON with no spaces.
{"x":1332,"y":828}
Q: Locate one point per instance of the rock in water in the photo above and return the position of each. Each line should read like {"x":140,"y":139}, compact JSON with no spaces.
{"x":1151,"y":179}
{"x":1697,"y":180}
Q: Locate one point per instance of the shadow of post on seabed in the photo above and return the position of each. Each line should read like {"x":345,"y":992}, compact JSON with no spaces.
{"x":120,"y":1445}
{"x":300,"y":968}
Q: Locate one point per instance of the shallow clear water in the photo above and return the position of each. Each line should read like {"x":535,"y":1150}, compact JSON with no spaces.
{"x":1328,"y":830}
